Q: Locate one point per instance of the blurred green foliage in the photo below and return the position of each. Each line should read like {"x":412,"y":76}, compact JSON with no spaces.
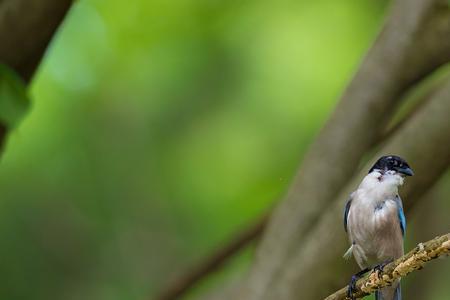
{"x":14,"y":102}
{"x":159,"y":128}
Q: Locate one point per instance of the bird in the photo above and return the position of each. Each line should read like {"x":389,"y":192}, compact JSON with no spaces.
{"x":375,"y":222}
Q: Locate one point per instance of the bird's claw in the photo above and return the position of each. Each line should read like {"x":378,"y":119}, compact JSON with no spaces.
{"x":352,"y":284}
{"x":352,"y":288}
{"x":379,"y":268}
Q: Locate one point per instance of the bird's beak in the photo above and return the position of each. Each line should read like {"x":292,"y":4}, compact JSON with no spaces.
{"x":406,"y":171}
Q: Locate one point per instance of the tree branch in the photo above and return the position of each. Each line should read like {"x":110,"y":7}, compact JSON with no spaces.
{"x":423,"y":141}
{"x":414,"y":260}
{"x":215,"y":261}
{"x":412,"y":44}
{"x":2,"y":134}
{"x":26,"y":29}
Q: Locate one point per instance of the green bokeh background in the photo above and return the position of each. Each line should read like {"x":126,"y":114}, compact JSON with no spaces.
{"x":160,"y":128}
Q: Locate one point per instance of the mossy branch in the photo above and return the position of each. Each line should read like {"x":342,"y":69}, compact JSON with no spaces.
{"x":413,"y":260}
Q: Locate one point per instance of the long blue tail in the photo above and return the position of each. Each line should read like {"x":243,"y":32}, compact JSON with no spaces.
{"x":388,"y":293}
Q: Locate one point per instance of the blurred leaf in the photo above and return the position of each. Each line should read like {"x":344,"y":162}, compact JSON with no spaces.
{"x":14,"y":102}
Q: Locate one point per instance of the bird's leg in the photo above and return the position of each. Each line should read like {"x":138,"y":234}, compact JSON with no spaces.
{"x":381,"y":266}
{"x":352,"y":284}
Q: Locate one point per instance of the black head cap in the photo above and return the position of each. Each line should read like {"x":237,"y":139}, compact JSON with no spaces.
{"x":392,"y":163}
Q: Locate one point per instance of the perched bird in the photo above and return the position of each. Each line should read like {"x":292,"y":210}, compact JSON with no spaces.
{"x":375,"y":222}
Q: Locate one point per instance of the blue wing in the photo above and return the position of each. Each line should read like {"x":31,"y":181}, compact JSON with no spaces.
{"x":347,"y":209}
{"x":401,"y":214}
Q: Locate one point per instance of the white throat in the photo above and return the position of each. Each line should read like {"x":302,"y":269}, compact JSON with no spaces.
{"x":381,"y":185}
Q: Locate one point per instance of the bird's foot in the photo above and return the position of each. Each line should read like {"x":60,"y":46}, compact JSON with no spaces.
{"x":379,"y":268}
{"x":352,"y":285}
{"x":352,"y":288}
